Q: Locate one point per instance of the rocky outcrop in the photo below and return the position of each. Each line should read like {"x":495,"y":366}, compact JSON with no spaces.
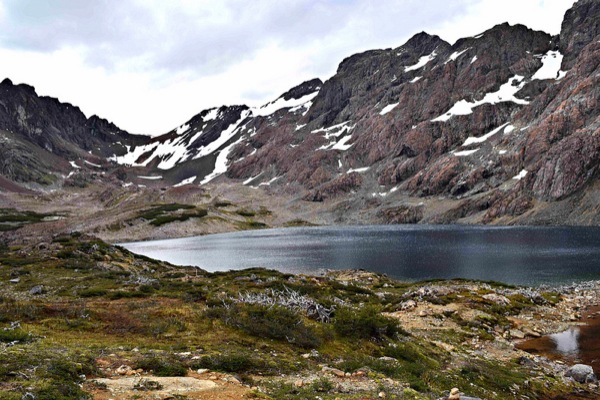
{"x":580,"y":27}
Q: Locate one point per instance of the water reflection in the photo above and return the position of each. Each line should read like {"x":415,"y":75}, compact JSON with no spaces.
{"x":567,"y":342}
{"x":578,"y":344}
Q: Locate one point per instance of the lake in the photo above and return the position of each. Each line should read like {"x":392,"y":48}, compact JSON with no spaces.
{"x":515,"y":255}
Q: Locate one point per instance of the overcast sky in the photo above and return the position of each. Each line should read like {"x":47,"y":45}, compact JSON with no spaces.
{"x":150,"y":65}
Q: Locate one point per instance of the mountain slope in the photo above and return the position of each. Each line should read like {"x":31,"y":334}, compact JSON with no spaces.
{"x":498,"y":128}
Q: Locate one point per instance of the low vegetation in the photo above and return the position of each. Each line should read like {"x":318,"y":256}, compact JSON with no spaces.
{"x":162,"y":214}
{"x":11,"y":219}
{"x":80,"y":308}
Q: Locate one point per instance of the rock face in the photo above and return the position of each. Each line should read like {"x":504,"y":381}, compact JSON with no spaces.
{"x":503,"y":126}
{"x":579,"y":28}
{"x":581,"y":373}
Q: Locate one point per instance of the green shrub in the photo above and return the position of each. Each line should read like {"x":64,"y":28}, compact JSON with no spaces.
{"x":273,"y":322}
{"x":364,"y":323}
{"x":14,"y":335}
{"x":162,"y":366}
{"x":93,"y":292}
{"x":237,"y":362}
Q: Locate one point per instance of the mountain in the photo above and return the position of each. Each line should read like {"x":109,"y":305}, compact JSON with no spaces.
{"x":39,"y":135}
{"x":501,"y":127}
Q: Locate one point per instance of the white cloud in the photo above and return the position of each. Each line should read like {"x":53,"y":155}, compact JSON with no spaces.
{"x":149,"y":66}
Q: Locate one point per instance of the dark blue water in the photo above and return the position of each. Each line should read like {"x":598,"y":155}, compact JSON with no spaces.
{"x":516,"y":255}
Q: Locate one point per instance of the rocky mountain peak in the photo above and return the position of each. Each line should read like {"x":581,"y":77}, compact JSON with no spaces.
{"x":303,"y":89}
{"x":580,"y":26}
{"x":424,"y":43}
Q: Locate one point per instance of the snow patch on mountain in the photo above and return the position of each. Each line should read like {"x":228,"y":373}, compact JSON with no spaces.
{"x":186,"y":181}
{"x":421,"y":63}
{"x":455,"y":55}
{"x":388,"y":108}
{"x":465,"y":153}
{"x":281,"y":103}
{"x":550,"y":69}
{"x":342,"y":144}
{"x":359,"y":170}
{"x":225,"y":136}
{"x":520,"y":175}
{"x":506,"y":93}
{"x":249,"y":180}
{"x":470,"y":140}
{"x":221,"y":163}
{"x":91,"y":164}
{"x":212,"y":114}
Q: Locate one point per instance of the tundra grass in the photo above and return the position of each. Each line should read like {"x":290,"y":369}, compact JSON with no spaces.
{"x":99,"y":300}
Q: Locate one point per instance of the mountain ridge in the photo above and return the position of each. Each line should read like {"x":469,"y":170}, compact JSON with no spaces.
{"x":494,"y":123}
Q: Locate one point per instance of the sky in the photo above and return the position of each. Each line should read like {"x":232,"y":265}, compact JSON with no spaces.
{"x":150,"y":65}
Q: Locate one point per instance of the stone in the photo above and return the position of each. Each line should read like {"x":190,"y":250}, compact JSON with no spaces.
{"x":381,"y":395}
{"x":202,"y":371}
{"x":334,"y":371}
{"x":124,"y":370}
{"x":581,"y":373}
{"x":36,"y":290}
{"x":531,"y":333}
{"x":517,"y":334}
{"x":454,"y":394}
{"x":497,"y":298}
{"x":15,"y":280}
{"x":408,"y":305}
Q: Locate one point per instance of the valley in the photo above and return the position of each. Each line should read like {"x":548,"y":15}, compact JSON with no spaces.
{"x":500,"y":128}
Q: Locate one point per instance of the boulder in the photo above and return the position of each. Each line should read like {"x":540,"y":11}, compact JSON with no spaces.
{"x":581,"y":373}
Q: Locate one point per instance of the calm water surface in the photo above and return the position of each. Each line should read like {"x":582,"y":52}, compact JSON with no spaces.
{"x":578,"y":344}
{"x":517,"y":255}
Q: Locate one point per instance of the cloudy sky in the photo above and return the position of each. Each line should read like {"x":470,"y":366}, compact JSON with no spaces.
{"x":150,"y":65}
